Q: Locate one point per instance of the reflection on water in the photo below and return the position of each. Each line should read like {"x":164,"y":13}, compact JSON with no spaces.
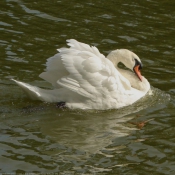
{"x":92,"y":131}
{"x":50,"y":138}
{"x":38,"y":137}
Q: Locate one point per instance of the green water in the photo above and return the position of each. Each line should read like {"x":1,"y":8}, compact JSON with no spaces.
{"x":37,"y":137}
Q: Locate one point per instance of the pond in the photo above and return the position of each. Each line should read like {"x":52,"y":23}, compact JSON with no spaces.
{"x":37,"y":137}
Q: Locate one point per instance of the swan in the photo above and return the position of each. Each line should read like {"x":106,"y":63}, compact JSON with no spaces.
{"x":84,"y":78}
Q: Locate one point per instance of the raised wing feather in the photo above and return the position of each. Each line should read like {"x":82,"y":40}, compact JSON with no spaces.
{"x":54,"y":65}
{"x":90,"y":73}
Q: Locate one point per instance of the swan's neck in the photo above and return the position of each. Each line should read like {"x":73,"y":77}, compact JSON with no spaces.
{"x":115,"y":57}
{"x":124,"y":56}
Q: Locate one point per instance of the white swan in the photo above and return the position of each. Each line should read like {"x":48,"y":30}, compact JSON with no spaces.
{"x":83,"y":78}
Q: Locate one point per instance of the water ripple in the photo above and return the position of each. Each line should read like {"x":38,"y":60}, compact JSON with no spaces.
{"x":37,"y":137}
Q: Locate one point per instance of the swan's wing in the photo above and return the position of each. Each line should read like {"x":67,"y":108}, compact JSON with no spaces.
{"x":54,"y":65}
{"x":54,"y":70}
{"x":90,"y":73}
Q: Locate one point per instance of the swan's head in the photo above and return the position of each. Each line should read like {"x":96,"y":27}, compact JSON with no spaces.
{"x":128,"y":58}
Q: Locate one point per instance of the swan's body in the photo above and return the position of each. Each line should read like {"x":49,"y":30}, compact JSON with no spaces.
{"x":84,"y":78}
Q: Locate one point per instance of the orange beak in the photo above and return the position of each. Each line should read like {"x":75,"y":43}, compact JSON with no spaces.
{"x":137,"y":72}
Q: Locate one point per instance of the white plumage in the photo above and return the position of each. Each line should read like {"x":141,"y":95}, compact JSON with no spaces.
{"x":84,"y":78}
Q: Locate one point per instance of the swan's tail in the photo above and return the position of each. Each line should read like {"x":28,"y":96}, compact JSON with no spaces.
{"x":37,"y":93}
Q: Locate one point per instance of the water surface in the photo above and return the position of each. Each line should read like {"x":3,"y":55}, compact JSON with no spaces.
{"x":38,"y":137}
